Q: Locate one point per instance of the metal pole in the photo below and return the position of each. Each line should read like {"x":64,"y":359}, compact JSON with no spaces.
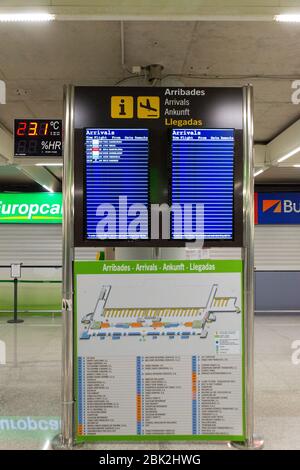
{"x":249,"y":261}
{"x":15,"y":300}
{"x":252,"y":442}
{"x":15,"y":319}
{"x":67,"y":425}
{"x":156,"y":252}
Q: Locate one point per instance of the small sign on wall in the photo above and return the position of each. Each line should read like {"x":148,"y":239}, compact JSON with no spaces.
{"x":277,"y":208}
{"x":31,"y":208}
{"x":38,"y":138}
{"x":15,"y":271}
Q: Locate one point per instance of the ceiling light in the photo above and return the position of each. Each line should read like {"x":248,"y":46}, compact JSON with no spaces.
{"x":288,"y":155}
{"x":296,"y":166}
{"x":49,"y":164}
{"x":48,"y":189}
{"x":259,"y":172}
{"x":287,"y":18}
{"x":26,"y":17}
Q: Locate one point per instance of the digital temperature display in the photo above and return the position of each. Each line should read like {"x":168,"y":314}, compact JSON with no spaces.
{"x":38,"y":138}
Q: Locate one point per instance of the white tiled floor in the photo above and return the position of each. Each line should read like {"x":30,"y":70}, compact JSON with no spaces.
{"x":30,"y":385}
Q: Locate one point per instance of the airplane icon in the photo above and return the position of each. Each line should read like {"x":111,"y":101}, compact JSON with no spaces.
{"x":148,"y":107}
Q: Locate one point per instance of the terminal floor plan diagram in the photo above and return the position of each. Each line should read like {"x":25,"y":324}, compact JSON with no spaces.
{"x":146,"y":342}
{"x":115,"y":323}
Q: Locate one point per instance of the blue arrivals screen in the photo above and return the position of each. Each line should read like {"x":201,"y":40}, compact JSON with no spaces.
{"x":116,"y":178}
{"x":202,"y":173}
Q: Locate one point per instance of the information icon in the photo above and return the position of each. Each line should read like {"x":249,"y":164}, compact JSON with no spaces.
{"x":121,"y":107}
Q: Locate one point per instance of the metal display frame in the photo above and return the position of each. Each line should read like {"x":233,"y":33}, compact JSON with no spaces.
{"x":66,"y":438}
{"x":252,"y":441}
{"x":94,"y":100}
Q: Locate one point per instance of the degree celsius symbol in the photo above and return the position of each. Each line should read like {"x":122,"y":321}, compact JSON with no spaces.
{"x":55,"y":125}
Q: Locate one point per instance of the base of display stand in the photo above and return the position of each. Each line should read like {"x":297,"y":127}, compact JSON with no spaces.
{"x":58,"y":444}
{"x":256,"y":444}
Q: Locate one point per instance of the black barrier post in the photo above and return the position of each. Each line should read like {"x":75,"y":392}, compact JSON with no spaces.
{"x":15,"y":319}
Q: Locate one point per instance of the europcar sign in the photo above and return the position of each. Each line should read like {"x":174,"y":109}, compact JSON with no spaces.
{"x":30,"y":208}
{"x":277,"y":208}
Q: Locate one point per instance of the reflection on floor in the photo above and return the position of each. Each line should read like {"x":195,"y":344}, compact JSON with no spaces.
{"x":30,"y":385}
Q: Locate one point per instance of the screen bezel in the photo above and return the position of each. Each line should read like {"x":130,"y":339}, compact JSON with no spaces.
{"x":138,"y":240}
{"x":79,"y":203}
{"x":237,"y":223}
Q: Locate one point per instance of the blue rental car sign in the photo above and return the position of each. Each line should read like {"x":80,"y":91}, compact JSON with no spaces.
{"x":278,"y":208}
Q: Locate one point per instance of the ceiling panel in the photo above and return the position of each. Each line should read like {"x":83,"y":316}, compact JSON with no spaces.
{"x":279,"y":175}
{"x":10,"y":174}
{"x":252,"y":48}
{"x":62,"y":50}
{"x":47,"y":109}
{"x":37,"y":60}
{"x":56,"y":170}
{"x":165,"y":43}
{"x":12,"y":110}
{"x":272,"y":118}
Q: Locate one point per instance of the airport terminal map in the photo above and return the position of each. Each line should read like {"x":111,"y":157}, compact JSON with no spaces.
{"x":159,"y":354}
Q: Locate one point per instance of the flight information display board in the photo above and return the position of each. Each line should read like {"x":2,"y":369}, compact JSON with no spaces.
{"x":203,"y":174}
{"x":116,"y":183}
{"x":188,"y":145}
